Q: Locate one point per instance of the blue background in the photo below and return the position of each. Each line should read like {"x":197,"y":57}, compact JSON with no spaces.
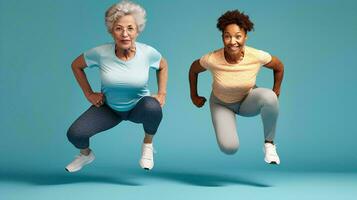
{"x":40,"y":98}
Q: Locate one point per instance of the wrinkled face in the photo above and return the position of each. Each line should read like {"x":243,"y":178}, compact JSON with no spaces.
{"x":234,"y":39}
{"x":125,"y":32}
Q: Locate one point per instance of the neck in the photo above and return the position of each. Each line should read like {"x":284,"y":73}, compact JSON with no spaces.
{"x":125,"y":54}
{"x":234,"y":58}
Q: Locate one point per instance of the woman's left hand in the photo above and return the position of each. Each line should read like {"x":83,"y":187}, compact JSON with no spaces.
{"x":160,"y":98}
{"x":277,"y":91}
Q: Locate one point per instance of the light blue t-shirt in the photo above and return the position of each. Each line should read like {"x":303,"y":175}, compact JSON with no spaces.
{"x":124,"y":83}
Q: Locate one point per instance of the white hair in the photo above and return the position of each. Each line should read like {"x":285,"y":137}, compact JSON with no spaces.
{"x":125,"y":8}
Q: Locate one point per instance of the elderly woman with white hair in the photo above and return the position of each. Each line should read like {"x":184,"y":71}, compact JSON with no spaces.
{"x":124,"y":69}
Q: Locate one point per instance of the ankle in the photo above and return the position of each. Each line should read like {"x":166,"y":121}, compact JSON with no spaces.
{"x":148,"y":139}
{"x":267,"y":141}
{"x":85,"y":152}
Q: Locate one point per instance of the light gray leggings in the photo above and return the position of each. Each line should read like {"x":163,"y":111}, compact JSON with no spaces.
{"x":259,"y":101}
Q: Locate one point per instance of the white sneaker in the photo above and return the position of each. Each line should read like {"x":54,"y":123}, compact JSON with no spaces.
{"x":147,"y":157}
{"x":271,"y":156}
{"x":80,"y":161}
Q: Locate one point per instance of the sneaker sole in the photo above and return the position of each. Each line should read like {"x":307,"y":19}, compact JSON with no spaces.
{"x":76,"y":170}
{"x":272,"y":162}
{"x":144,"y":167}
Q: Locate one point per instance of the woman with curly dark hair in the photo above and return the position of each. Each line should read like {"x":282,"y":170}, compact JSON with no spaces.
{"x":234,"y":69}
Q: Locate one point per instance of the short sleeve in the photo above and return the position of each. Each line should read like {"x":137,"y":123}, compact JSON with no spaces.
{"x":154,"y":58}
{"x":92,"y":57}
{"x":204,"y":61}
{"x":264,"y":57}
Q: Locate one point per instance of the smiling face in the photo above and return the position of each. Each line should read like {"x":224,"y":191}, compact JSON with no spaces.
{"x":125,"y":32}
{"x":234,"y":39}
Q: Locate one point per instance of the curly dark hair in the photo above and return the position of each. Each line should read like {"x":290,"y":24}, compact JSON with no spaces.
{"x":235,"y":17}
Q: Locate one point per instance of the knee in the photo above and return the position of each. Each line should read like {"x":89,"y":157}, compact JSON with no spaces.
{"x":152,"y":107}
{"x":269,"y":97}
{"x":74,"y":133}
{"x":229,"y":149}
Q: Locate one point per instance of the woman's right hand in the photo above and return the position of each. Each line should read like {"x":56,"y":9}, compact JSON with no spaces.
{"x":96,"y":98}
{"x":198,"y":100}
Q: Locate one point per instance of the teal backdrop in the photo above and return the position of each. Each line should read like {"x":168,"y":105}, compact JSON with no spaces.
{"x":316,"y":40}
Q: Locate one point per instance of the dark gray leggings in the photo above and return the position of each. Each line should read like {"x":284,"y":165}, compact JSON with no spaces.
{"x":97,"y":119}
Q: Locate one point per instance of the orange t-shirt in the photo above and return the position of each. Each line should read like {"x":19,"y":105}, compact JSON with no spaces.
{"x":232,"y":82}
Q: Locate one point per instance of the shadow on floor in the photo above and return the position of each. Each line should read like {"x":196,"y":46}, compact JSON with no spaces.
{"x":127,"y":177}
{"x":61,"y":178}
{"x":206,"y":179}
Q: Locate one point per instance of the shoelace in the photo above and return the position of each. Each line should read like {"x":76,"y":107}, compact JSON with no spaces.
{"x":146,"y":153}
{"x":78,"y":158}
{"x":272,"y":150}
